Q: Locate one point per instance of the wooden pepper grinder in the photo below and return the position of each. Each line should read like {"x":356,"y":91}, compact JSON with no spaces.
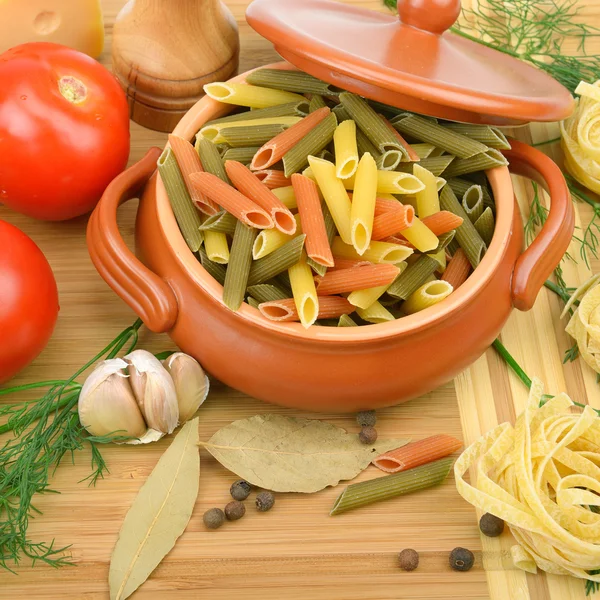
{"x":165,"y":51}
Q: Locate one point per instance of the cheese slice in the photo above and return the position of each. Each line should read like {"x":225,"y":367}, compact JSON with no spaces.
{"x":74,"y":23}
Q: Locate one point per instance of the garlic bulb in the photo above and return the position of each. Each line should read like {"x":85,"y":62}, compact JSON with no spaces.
{"x":191,"y":383}
{"x":154,"y":391}
{"x":107,"y":404}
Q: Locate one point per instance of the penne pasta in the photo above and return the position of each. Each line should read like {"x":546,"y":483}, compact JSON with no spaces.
{"x":222,"y":222}
{"x":299,"y":108}
{"x":364,"y":145}
{"x":420,"y":236}
{"x":232,"y":201}
{"x":436,"y":165}
{"x":269,"y":240}
{"x":460,"y":186}
{"x":334,"y":194}
{"x":442,"y":222}
{"x":184,"y":209}
{"x":277,"y":262}
{"x":349,"y":263}
{"x":458,"y":269}
{"x":304,"y":292}
{"x":341,"y":113}
{"x":389,"y":182}
{"x":472,"y":202}
{"x":213,"y":132}
{"x":440,"y":183}
{"x":346,"y":149}
{"x":236,"y":278}
{"x":385,"y":203}
{"x":378,"y":252}
{"x":331,"y":233}
{"x":312,"y":219}
{"x":330,"y":307}
{"x":251,"y":187}
{"x":480,"y":162}
{"x":267,"y":292}
{"x":216,"y":246}
{"x":189,"y":162}
{"x":393,"y":221}
{"x":427,"y":295}
{"x":240,"y":136}
{"x":211,"y":159}
{"x":413,"y":277}
{"x":390,"y":160}
{"x":243,"y":155}
{"x":251,"y":96}
{"x":422,"y":150}
{"x":215,"y":270}
{"x":360,"y":278}
{"x":272,"y":178}
{"x":275,"y":149}
{"x":253,"y":302}
{"x":365,"y":298}
{"x":486,"y":134}
{"x":412,"y":155}
{"x":286,"y":195}
{"x":428,"y":202}
{"x":485,"y":225}
{"x":362,"y":210}
{"x":345,"y":321}
{"x":376,"y":313}
{"x":291,"y":81}
{"x":316,"y":102}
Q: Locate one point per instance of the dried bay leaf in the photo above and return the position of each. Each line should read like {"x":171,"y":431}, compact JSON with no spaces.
{"x":158,"y":515}
{"x":285,"y":454}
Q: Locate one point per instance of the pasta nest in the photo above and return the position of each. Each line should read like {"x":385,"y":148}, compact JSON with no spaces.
{"x":581,"y":137}
{"x":542,"y":477}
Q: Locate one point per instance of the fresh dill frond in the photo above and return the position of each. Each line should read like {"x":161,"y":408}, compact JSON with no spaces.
{"x":591,"y":587}
{"x":538,"y":214}
{"x":571,"y":354}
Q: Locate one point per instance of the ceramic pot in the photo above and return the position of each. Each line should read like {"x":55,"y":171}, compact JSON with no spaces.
{"x":323,"y":368}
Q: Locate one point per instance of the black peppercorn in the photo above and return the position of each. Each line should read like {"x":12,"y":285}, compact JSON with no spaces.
{"x":265,"y":501}
{"x":213,"y":518}
{"x":240,"y":489}
{"x":491,"y":525}
{"x":461,"y":559}
{"x":235,"y":510}
{"x":366,"y":418}
{"x":409,"y":559}
{"x":368,"y":435}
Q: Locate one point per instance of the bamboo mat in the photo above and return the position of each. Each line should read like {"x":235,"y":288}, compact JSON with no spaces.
{"x":297,"y":551}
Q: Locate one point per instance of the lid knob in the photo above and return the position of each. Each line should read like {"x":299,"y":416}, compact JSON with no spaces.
{"x":434,"y":16}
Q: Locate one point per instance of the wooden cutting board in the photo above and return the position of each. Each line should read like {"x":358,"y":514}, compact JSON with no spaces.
{"x":297,"y":551}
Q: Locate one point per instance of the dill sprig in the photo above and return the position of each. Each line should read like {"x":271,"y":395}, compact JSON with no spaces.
{"x":43,"y":432}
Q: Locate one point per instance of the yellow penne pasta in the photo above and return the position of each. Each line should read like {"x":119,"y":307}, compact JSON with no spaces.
{"x":420,"y":236}
{"x":427,"y":295}
{"x":365,"y":298}
{"x":213,"y":132}
{"x":378,"y":252}
{"x":287,"y":196}
{"x":304,"y":291}
{"x":440,"y":182}
{"x":441,"y":258}
{"x":252,"y":96}
{"x":346,"y":150}
{"x":269,"y":240}
{"x":376,"y":313}
{"x":216,"y":246}
{"x":363,"y":203}
{"x":335,"y":195}
{"x":391,"y":182}
{"x":428,"y":201}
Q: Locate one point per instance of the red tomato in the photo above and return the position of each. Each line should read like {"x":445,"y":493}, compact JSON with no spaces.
{"x":28,"y":301}
{"x":64,"y":131}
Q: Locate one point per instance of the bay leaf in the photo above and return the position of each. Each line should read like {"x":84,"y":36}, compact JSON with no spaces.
{"x":158,"y":516}
{"x":285,"y":454}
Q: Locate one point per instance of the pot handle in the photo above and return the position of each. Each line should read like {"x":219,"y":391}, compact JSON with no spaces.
{"x":536,"y":264}
{"x":145,"y":292}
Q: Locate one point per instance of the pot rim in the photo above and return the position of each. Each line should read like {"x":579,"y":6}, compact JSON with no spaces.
{"x":500,"y":180}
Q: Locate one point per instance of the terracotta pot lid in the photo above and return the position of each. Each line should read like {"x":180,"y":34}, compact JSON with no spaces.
{"x":413,"y":62}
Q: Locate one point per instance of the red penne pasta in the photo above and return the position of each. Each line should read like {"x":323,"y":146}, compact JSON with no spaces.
{"x":273,"y":179}
{"x":231,"y":200}
{"x":189,"y":162}
{"x":393,"y":221}
{"x":274,"y":150}
{"x":442,"y":222}
{"x":249,"y":185}
{"x":311,"y":217}
{"x":348,"y":263}
{"x":383,"y":205}
{"x":330,"y":307}
{"x":358,"y":278}
{"x":418,"y":453}
{"x":414,"y":157}
{"x":458,"y":269}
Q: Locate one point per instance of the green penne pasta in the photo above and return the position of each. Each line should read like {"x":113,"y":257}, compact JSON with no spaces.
{"x":292,"y":109}
{"x":460,"y":186}
{"x":472,"y":202}
{"x":222,"y":222}
{"x":267,"y":292}
{"x":346,"y":321}
{"x":275,"y":263}
{"x":485,"y":225}
{"x":251,"y":135}
{"x":423,"y":150}
{"x":435,"y":165}
{"x":445,"y":240}
{"x":222,"y":149}
{"x":490,"y":136}
{"x":390,"y":161}
{"x":370,"y":123}
{"x":387,"y":111}
{"x":244,"y":154}
{"x":466,"y":235}
{"x":238,"y":270}
{"x":311,"y":144}
{"x":211,"y":159}
{"x":316,"y":102}
{"x":480,"y":162}
{"x":215,"y":270}
{"x":326,"y":155}
{"x":413,"y":277}
{"x":452,"y":247}
{"x":185,"y":211}
{"x":365,"y":145}
{"x":331,"y":233}
{"x":291,"y":81}
{"x":341,"y":113}
{"x":390,"y":486}
{"x":253,"y":302}
{"x":283,"y":281}
{"x":425,"y":130}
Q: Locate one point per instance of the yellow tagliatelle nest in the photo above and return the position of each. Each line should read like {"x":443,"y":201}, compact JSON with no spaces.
{"x":581,"y":137}
{"x":542,"y":477}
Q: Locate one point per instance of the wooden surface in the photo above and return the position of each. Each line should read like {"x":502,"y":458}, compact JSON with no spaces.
{"x":297,"y":551}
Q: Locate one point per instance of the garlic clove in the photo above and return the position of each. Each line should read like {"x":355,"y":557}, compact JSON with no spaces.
{"x":107,"y":404}
{"x":148,"y":438}
{"x":154,"y":391}
{"x":191,"y":383}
